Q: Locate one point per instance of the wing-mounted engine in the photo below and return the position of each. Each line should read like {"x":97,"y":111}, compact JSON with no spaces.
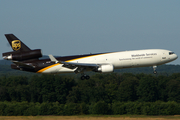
{"x":24,"y":55}
{"x":107,"y":68}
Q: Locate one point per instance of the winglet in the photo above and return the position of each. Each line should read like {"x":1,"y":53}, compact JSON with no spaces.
{"x":53,"y":59}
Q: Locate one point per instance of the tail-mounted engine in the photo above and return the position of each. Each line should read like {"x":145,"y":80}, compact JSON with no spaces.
{"x":24,"y":55}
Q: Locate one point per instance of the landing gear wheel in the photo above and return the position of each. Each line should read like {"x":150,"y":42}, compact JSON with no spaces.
{"x":85,"y":77}
{"x":82,"y":77}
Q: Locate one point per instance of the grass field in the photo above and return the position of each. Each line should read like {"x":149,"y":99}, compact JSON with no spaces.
{"x":89,"y":117}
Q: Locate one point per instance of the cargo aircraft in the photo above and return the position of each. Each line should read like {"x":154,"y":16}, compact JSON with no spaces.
{"x":25,"y":59}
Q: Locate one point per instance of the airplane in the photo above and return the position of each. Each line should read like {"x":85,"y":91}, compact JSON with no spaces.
{"x":25,"y":59}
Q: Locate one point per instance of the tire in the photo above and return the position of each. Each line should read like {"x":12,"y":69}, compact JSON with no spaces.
{"x":87,"y":77}
{"x":82,"y":77}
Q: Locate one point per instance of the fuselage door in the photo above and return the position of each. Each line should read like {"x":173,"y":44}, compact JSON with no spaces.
{"x":164,"y":56}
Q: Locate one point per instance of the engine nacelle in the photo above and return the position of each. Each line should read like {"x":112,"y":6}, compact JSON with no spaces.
{"x":25,"y":55}
{"x":106,"y":68}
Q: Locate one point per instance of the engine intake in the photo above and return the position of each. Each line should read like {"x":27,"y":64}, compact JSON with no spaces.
{"x":25,"y":55}
{"x":105,"y":68}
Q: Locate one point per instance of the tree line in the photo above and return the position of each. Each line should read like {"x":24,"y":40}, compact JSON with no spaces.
{"x":100,"y":108}
{"x":118,"y":93}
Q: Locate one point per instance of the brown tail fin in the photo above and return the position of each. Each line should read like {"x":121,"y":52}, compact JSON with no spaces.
{"x":16,"y":44}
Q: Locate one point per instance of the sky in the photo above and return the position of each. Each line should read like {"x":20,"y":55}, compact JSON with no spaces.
{"x":73,"y":27}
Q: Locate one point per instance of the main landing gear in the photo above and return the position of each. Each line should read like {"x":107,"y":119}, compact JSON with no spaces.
{"x":85,"y":77}
{"x":154,"y":68}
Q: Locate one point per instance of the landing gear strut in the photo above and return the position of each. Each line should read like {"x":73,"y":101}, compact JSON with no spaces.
{"x":154,"y":67}
{"x":85,"y":77}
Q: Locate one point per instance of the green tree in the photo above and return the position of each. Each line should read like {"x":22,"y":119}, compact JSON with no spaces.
{"x":147,"y":89}
{"x":100,"y":108}
{"x":50,"y":88}
{"x":127,"y":90}
{"x":173,"y":90}
{"x":162,"y":83}
{"x":63,"y":86}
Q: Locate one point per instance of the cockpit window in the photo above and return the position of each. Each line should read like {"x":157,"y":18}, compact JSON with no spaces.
{"x":170,"y":53}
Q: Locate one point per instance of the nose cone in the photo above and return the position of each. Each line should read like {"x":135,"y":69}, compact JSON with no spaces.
{"x":171,"y":56}
{"x":175,"y":56}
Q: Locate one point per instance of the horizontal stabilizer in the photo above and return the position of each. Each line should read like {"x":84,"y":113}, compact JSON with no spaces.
{"x":23,"y":65}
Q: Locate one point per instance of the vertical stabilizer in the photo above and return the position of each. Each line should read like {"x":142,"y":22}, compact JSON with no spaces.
{"x":20,"y":50}
{"x":16,"y":44}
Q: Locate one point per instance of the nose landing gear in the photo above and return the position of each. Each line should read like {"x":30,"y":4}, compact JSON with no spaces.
{"x":154,"y":67}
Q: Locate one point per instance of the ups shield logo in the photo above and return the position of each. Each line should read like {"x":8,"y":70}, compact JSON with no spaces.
{"x":16,"y":45}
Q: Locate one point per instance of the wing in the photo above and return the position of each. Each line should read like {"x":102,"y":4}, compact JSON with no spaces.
{"x":80,"y":67}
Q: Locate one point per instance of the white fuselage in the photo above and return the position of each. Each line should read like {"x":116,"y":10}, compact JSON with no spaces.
{"x":124,"y":59}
